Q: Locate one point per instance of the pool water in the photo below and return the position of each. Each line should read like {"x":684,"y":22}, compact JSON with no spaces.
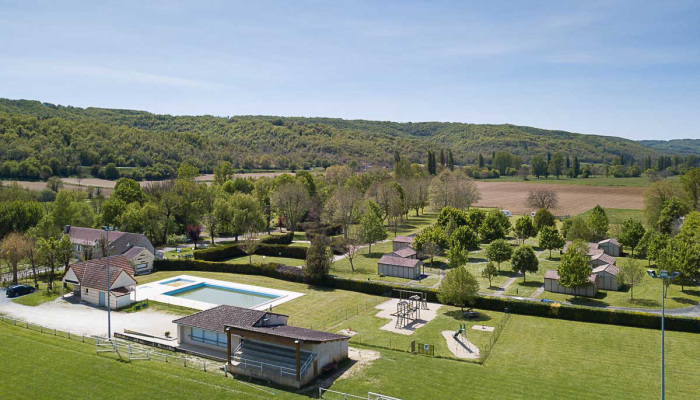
{"x":222,"y":295}
{"x":177,"y":282}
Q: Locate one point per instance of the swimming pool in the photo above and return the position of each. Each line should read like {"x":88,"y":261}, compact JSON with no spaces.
{"x":177,"y":282}
{"x":215,"y":294}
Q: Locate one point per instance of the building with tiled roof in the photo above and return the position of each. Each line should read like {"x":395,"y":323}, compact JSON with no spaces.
{"x":389,"y":265}
{"x":406,"y":252}
{"x":260,"y":344}
{"x":401,"y":242}
{"x":135,"y":246}
{"x":91,"y":284}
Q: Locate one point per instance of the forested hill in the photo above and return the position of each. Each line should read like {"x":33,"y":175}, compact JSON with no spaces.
{"x":58,"y":135}
{"x":676,"y":146}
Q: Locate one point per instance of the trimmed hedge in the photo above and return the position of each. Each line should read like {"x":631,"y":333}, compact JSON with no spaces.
{"x":285,"y":238}
{"x":311,"y":229}
{"x":522,"y":307}
{"x":234,"y":250}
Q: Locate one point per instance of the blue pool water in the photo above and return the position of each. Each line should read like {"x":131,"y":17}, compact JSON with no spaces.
{"x":177,"y":282}
{"x":214,"y":294}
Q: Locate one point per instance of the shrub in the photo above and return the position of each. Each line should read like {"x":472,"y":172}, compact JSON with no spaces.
{"x":234,"y":250}
{"x":285,"y":238}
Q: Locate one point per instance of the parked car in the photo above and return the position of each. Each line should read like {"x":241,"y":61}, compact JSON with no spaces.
{"x":507,"y":213}
{"x":548,"y":301}
{"x":19,"y":290}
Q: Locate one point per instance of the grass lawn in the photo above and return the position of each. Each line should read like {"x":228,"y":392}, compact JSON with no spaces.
{"x":42,"y":296}
{"x":448,"y":319}
{"x":318,"y":308}
{"x":174,"y":254}
{"x":293,"y":262}
{"x":365,"y":264}
{"x":154,"y":305}
{"x":535,"y":358}
{"x":617,"y":216}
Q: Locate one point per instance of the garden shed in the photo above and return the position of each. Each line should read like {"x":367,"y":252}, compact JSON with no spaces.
{"x":399,"y":267}
{"x":611,"y":247}
{"x":551,"y":284}
{"x":401,"y":242}
{"x":606,"y":276}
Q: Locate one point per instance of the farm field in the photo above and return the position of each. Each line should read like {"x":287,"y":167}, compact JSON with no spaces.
{"x":572,"y":199}
{"x":601,"y":181}
{"x":531,"y":360}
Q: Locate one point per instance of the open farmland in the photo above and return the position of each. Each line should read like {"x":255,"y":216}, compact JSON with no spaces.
{"x":572,"y":199}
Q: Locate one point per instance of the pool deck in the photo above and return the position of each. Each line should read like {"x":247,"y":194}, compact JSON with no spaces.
{"x":155,"y":291}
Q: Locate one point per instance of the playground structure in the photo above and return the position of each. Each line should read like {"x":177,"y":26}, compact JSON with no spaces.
{"x":409,"y":306}
{"x":460,"y":333}
{"x":459,"y":345}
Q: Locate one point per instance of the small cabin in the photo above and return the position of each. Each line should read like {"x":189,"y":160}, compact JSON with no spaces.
{"x":409,"y":268}
{"x":401,"y":242}
{"x":611,"y":247}
{"x":551,"y":284}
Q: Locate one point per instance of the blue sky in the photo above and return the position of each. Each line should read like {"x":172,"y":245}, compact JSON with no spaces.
{"x":621,"y":68}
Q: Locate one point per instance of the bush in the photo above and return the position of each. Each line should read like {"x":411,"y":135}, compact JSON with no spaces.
{"x":272,"y":270}
{"x":234,"y":250}
{"x":285,"y":238}
{"x":313,"y":229}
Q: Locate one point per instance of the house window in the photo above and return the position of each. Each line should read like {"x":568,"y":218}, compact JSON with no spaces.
{"x":208,"y":337}
{"x":86,"y":291}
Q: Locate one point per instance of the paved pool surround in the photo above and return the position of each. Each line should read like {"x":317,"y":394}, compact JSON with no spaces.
{"x":203,"y":293}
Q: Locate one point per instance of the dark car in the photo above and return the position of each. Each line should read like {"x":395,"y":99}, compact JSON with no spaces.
{"x":19,"y":290}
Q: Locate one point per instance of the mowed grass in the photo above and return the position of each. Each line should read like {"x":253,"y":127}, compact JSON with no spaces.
{"x":256,"y":259}
{"x":535,"y":358}
{"x":318,"y":308}
{"x":617,"y":216}
{"x":448,"y":318}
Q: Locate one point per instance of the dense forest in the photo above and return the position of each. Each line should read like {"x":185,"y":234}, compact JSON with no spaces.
{"x":676,"y":146}
{"x":41,"y":139}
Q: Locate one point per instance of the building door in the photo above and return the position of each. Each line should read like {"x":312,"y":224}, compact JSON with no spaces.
{"x":102,"y":299}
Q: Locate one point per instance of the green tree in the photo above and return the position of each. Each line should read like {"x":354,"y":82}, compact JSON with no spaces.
{"x":556,"y":165}
{"x":318,"y":258}
{"x":631,"y":274}
{"x":550,"y":239}
{"x":577,"y":229}
{"x":539,"y":166}
{"x":632,"y":233}
{"x":684,"y":258}
{"x":489,"y":272}
{"x":492,"y":228}
{"x":524,"y":260}
{"x":691,"y":185}
{"x":431,"y":242}
{"x":544,"y":217}
{"x":598,"y":224}
{"x":128,"y":191}
{"x":292,"y":201}
{"x":465,"y":237}
{"x":690,"y":230}
{"x":187,"y":171}
{"x":371,"y":225}
{"x":458,"y":256}
{"x":53,"y":252}
{"x":459,"y":288}
{"x":670,"y":215}
{"x":574,"y":270}
{"x":223,"y":172}
{"x":499,"y":251}
{"x":524,"y":228}
{"x":111,"y":172}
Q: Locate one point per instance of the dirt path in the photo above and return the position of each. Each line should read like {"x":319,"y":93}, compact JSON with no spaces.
{"x":572,"y":199}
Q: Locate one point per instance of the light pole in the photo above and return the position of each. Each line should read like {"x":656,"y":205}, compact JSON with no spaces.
{"x":663,"y":275}
{"x":109,"y":307}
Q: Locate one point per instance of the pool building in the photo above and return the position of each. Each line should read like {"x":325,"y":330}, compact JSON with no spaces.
{"x":260,"y":344}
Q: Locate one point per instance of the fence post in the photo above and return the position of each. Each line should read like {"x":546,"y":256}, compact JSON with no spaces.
{"x":83,"y":338}
{"x":184,"y":361}
{"x":41,"y":328}
{"x":204,"y":366}
{"x":68,"y":335}
{"x":54,"y":331}
{"x":166,"y":358}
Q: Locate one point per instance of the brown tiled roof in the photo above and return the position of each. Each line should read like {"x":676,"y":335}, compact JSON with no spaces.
{"x":89,"y":236}
{"x":595,"y":252}
{"x":403,"y":239}
{"x":93,"y":273}
{"x":217,"y":318}
{"x":609,"y":268}
{"x":604,"y":258}
{"x":611,"y":240}
{"x":591,"y":247}
{"x":405,"y":252}
{"x":293,"y":332}
{"x":399,"y":261}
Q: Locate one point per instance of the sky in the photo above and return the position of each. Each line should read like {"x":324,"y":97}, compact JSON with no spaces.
{"x":617,"y":68}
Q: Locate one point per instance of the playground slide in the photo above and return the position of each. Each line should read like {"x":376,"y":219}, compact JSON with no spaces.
{"x":462,"y":328}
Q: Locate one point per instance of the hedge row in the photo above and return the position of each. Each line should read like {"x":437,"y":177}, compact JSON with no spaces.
{"x":285,"y":238}
{"x":523,"y":307}
{"x":234,"y":250}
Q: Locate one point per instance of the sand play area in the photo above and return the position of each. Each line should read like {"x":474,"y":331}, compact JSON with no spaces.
{"x":460,"y":347}
{"x":388,"y":310}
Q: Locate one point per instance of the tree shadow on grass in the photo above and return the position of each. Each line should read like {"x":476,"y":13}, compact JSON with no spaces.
{"x":478,"y":260}
{"x":587,"y":301}
{"x":683,"y":300}
{"x":644,"y":303}
{"x":373,"y":255}
{"x":530,"y":284}
{"x":509,"y":274}
{"x":457,"y":314}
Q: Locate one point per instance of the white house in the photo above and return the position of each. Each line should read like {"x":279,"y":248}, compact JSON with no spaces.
{"x":90,"y":285}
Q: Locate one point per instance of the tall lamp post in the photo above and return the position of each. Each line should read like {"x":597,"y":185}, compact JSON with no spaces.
{"x":109,"y":307}
{"x":663,"y":275}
